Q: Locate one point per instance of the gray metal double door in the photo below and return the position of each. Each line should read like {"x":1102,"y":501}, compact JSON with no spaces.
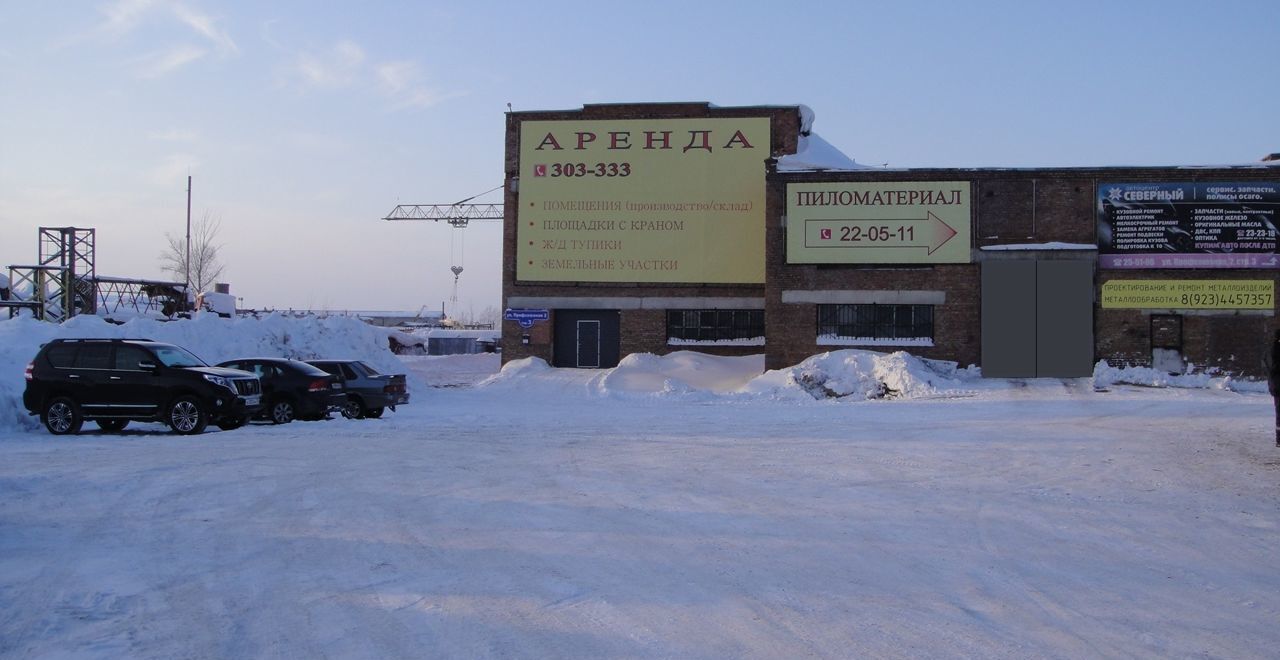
{"x":1037,"y":318}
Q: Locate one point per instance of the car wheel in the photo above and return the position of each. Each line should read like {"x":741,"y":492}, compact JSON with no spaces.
{"x":232,"y":423}
{"x":282,"y":411}
{"x":112,"y":425}
{"x":373,"y":412}
{"x":186,"y":416}
{"x":352,"y":409}
{"x":62,"y":416}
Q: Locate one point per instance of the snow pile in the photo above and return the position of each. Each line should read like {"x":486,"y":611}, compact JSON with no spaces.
{"x":20,"y":338}
{"x":862,"y":375}
{"x":1105,"y":375}
{"x":517,"y":373}
{"x":212,"y":338}
{"x":681,"y":372}
{"x":859,"y":374}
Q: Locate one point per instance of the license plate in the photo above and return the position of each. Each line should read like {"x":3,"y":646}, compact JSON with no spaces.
{"x":252,"y":400}
{"x":336,"y":386}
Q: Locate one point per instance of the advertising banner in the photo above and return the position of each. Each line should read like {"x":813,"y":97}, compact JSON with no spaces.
{"x":904,"y":222}
{"x":654,"y":200}
{"x":1188,"y":225}
{"x":1188,"y":294}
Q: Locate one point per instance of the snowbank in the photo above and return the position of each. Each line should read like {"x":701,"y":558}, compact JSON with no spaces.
{"x":212,"y":338}
{"x":682,"y":371}
{"x":852,"y":373}
{"x":1105,"y":375}
{"x":861,"y":375}
{"x":516,"y":372}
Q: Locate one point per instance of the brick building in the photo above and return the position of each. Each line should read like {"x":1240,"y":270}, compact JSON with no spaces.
{"x":662,"y":227}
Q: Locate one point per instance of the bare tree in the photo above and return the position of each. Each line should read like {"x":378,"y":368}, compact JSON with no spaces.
{"x":490,"y":316}
{"x":206,"y":266}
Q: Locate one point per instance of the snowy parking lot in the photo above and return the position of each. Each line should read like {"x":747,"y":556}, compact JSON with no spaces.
{"x":553,"y":513}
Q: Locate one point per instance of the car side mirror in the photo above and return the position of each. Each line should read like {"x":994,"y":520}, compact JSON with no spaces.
{"x":147,"y":365}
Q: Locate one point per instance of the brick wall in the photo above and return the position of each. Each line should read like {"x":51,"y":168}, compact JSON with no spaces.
{"x":1231,"y":342}
{"x":643,"y":331}
{"x":1009,"y":206}
{"x":1013,"y":207}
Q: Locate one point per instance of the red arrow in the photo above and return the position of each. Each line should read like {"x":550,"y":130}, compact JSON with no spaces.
{"x":942,"y":232}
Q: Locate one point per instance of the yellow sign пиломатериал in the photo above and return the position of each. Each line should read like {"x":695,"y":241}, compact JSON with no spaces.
{"x":891,"y":222}
{"x":652,"y":200}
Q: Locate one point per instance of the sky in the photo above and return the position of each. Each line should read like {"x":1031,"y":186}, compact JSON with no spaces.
{"x":302,"y":124}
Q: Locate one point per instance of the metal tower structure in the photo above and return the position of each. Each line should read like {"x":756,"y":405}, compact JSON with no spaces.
{"x":72,"y":250}
{"x":62,"y":284}
{"x":65,"y":283}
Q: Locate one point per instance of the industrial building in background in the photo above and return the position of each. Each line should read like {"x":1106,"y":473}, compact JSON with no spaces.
{"x":650,"y":228}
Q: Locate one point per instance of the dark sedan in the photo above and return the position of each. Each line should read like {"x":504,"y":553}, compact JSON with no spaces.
{"x":292,"y":389}
{"x":368,"y":392}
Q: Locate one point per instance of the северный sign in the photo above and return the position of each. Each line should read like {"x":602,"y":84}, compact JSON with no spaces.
{"x":897,"y":222}
{"x":1188,"y":225}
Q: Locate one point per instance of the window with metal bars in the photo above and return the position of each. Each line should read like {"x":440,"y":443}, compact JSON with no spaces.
{"x":876,"y":322}
{"x":715,"y":324}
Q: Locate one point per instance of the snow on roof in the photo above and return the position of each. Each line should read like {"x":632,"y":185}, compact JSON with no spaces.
{"x":1042,"y":246}
{"x":815,"y":153}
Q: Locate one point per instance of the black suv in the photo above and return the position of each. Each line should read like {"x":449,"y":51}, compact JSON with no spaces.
{"x":113,"y":381}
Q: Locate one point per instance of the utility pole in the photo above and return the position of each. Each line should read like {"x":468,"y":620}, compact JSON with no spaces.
{"x":187,"y":291}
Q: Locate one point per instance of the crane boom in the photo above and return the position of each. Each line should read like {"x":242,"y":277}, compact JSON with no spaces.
{"x":457,"y":215}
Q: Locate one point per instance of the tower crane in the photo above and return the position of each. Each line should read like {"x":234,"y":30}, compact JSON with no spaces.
{"x":458,"y":215}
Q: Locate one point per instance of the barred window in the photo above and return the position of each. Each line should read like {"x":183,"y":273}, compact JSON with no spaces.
{"x":875,"y":322}
{"x":715,"y":324}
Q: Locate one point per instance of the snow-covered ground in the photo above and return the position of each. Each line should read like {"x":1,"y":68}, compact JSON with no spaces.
{"x":856,"y":505}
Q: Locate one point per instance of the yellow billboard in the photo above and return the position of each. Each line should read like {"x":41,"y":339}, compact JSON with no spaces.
{"x":892,"y":222}
{"x":1188,"y":294}
{"x":644,"y":200}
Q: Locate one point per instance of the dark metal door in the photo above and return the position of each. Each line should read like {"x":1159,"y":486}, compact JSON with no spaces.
{"x":1166,"y":343}
{"x":1037,"y":318}
{"x":586,"y":338}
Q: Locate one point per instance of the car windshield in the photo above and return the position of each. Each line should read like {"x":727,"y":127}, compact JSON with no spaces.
{"x":368,"y":369}
{"x":172,"y":356}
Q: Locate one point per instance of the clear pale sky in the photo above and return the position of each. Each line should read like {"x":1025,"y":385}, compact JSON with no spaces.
{"x":303,"y":123}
